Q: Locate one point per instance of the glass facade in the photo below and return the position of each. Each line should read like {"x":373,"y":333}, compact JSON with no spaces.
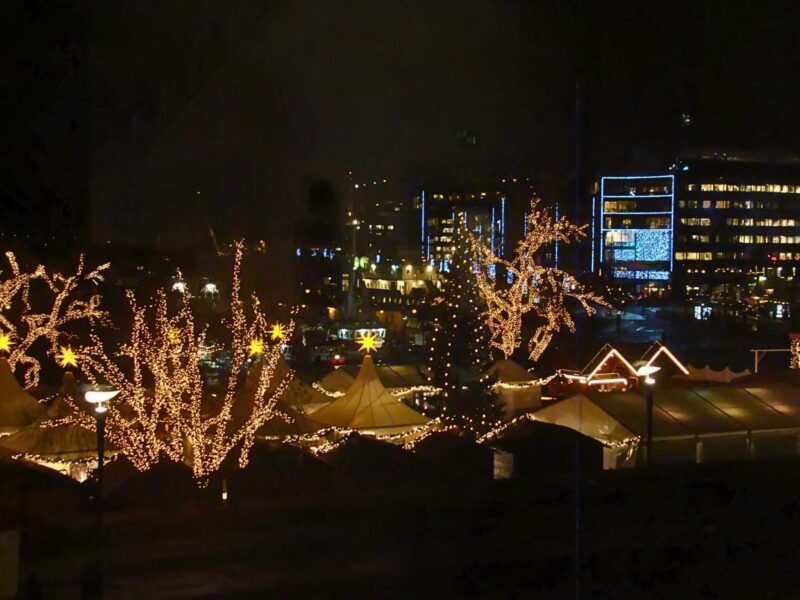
{"x":636,"y":227}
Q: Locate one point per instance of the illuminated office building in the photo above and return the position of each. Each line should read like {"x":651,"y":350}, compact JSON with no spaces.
{"x":493,"y":210}
{"x":737,"y":222}
{"x":716,"y":226}
{"x":632,"y":228}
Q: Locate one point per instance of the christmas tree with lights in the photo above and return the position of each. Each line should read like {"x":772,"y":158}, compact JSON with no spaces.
{"x":459,"y":352}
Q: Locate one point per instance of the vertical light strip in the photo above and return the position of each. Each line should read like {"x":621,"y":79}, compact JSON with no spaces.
{"x":594,"y":205}
{"x":672,"y":228}
{"x":422,"y":224}
{"x":602,"y":218}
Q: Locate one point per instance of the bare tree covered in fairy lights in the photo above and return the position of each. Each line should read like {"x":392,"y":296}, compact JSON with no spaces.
{"x":165,"y":408}
{"x":534,"y":288}
{"x":24,"y":322}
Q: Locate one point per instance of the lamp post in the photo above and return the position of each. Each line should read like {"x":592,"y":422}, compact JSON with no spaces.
{"x":647,"y":372}
{"x":99,"y":400}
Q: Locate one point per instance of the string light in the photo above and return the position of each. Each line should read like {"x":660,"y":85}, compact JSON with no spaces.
{"x":61,"y":310}
{"x":162,"y":407}
{"x":794,"y":348}
{"x":533,"y":289}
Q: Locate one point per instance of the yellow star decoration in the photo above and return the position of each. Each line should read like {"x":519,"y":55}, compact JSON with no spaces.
{"x":67,"y":357}
{"x":256,"y":347}
{"x":368,"y":342}
{"x":6,"y":342}
{"x":277,"y":331}
{"x":173,"y":337}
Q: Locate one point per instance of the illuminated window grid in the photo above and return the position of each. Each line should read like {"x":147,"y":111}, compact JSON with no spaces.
{"x":603,"y":213}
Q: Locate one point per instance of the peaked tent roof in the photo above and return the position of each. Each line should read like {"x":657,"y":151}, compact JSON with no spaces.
{"x":581,"y":414}
{"x":367,"y":405}
{"x":391,"y":376}
{"x":508,"y":371}
{"x":63,"y":442}
{"x":17,"y":407}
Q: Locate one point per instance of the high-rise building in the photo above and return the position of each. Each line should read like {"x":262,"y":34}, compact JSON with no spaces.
{"x":632,"y":227}
{"x":493,"y":210}
{"x":379,"y":218}
{"x":717,"y":226}
{"x":737,"y":222}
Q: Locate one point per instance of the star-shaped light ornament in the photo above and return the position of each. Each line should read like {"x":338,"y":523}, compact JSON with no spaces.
{"x":277,"y":332}
{"x":256,"y":347}
{"x":6,"y":342}
{"x":367,"y":342}
{"x":173,"y":336}
{"x":66,"y":357}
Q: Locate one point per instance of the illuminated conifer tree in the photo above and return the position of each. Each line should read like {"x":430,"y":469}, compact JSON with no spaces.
{"x":459,"y":354}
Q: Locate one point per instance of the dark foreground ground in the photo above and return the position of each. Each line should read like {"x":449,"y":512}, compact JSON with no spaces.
{"x":723,"y":531}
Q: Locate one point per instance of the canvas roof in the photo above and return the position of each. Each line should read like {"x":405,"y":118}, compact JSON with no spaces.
{"x":508,"y":371}
{"x":391,"y":376}
{"x":368,"y":405}
{"x":17,"y":407}
{"x":58,"y":442}
{"x":679,"y":412}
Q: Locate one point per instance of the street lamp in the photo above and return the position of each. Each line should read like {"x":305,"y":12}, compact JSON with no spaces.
{"x":99,"y":399}
{"x":647,"y":372}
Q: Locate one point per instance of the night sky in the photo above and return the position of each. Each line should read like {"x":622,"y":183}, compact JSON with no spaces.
{"x":140,"y":106}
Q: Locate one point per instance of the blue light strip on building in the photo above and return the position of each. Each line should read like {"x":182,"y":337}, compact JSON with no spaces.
{"x":672,"y":227}
{"x":629,"y":196}
{"x":422,"y":219}
{"x":603,"y":213}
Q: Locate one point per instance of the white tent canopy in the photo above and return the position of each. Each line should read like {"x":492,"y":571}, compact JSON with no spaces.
{"x":368,"y":406}
{"x":720,"y":422}
{"x":17,"y":407}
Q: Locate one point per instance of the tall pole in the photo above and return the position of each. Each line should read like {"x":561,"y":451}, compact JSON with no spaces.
{"x":649,"y":424}
{"x":100,"y":415}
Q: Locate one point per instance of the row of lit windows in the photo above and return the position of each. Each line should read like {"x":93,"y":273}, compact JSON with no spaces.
{"x":648,"y":223}
{"x":772,"y":188}
{"x":730,"y":256}
{"x":749,"y":222}
{"x":742,"y":204}
{"x":695,"y":221}
{"x":693,"y":256}
{"x":766,"y":239}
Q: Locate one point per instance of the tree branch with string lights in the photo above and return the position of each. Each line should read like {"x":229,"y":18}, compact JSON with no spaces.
{"x":37,"y":305}
{"x":532,"y":287}
{"x":165,"y":408}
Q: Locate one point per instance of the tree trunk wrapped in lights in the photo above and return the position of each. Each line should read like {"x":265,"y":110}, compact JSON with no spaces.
{"x":459,"y":355}
{"x":532,"y":287}
{"x":164,"y":408}
{"x":21,"y":323}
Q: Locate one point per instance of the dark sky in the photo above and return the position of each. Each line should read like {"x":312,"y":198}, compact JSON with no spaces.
{"x":141,"y":105}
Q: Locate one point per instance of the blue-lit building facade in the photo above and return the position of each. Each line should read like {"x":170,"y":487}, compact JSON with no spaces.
{"x":632,"y":229}
{"x":719,"y":230}
{"x":484,"y":210}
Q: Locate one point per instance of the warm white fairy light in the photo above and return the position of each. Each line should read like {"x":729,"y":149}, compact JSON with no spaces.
{"x":160,"y":411}
{"x":794,"y":349}
{"x":61,"y":309}
{"x":534,"y":288}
